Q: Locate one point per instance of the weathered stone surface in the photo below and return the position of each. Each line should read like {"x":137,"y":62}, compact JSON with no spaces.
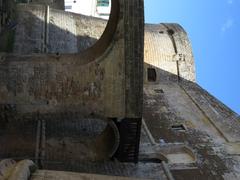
{"x":166,"y":46}
{"x":170,"y":52}
{"x":6,"y":13}
{"x":56,"y":4}
{"x":41,"y":30}
{"x":55,"y":82}
{"x":93,"y":83}
{"x":183,"y":124}
{"x":49,"y":175}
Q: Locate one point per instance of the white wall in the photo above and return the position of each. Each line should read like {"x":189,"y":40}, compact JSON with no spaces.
{"x":87,"y":7}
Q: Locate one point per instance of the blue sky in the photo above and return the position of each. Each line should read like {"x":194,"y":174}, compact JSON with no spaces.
{"x":213,"y":27}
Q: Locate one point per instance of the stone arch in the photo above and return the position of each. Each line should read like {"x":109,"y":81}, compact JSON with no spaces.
{"x":106,"y":38}
{"x":105,"y":80}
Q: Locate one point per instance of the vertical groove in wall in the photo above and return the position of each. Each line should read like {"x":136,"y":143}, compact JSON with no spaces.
{"x":43,"y":143}
{"x":171,"y":36}
{"x":38,"y":141}
{"x":46,"y":29}
{"x":178,"y":71}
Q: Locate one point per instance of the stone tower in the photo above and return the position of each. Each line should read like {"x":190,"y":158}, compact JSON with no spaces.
{"x":77,"y":95}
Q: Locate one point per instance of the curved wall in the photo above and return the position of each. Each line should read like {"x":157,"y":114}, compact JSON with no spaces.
{"x":167,"y":47}
{"x":91,"y":82}
{"x":168,"y":51}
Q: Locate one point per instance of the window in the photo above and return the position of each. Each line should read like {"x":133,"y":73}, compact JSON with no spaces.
{"x":159,"y":91}
{"x":178,"y":127}
{"x":104,"y":3}
{"x":151,"y":75}
{"x":68,"y":7}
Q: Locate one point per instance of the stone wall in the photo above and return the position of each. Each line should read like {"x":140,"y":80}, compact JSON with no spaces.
{"x":103,"y":81}
{"x":30,"y":37}
{"x":56,"y":4}
{"x":92,"y":82}
{"x":168,"y":48}
{"x":43,"y":30}
{"x":6,"y":12}
{"x":166,"y":45}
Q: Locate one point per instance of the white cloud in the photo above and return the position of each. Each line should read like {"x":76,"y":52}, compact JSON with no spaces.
{"x":227,"y":25}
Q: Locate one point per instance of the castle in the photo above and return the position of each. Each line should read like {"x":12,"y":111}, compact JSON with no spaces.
{"x":82,"y":97}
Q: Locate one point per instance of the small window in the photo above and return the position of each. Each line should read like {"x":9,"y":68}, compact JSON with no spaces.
{"x":170,"y":32}
{"x":68,"y":7}
{"x":152,"y":75}
{"x":179,"y":127}
{"x":103,"y":3}
{"x":102,"y":14}
{"x":159,"y":91}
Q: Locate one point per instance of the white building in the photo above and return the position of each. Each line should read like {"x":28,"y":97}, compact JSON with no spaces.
{"x":96,"y":8}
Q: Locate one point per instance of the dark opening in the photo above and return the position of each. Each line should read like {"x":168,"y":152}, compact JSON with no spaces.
{"x":152,"y":75}
{"x":151,"y":160}
{"x":170,"y":32}
{"x":160,"y":91}
{"x":179,"y":127}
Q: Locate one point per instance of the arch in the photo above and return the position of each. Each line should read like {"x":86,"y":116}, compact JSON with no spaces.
{"x":105,"y":40}
{"x":108,"y":141}
{"x":104,"y":80}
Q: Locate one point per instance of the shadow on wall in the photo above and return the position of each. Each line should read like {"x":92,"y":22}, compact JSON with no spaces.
{"x":154,"y":76}
{"x":53,"y":31}
{"x":176,"y":110}
{"x":56,"y":4}
{"x":26,"y":78}
{"x":34,"y":35}
{"x":68,"y":133}
{"x":70,"y":33}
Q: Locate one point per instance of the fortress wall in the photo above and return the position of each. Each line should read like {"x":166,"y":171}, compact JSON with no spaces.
{"x":224,"y":119}
{"x":61,"y":25}
{"x":92,"y":82}
{"x":167,"y":47}
{"x":182,"y":112}
{"x":73,"y":33}
{"x":103,"y":82}
{"x":188,"y":104}
{"x":42,"y":30}
{"x":29,"y":34}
